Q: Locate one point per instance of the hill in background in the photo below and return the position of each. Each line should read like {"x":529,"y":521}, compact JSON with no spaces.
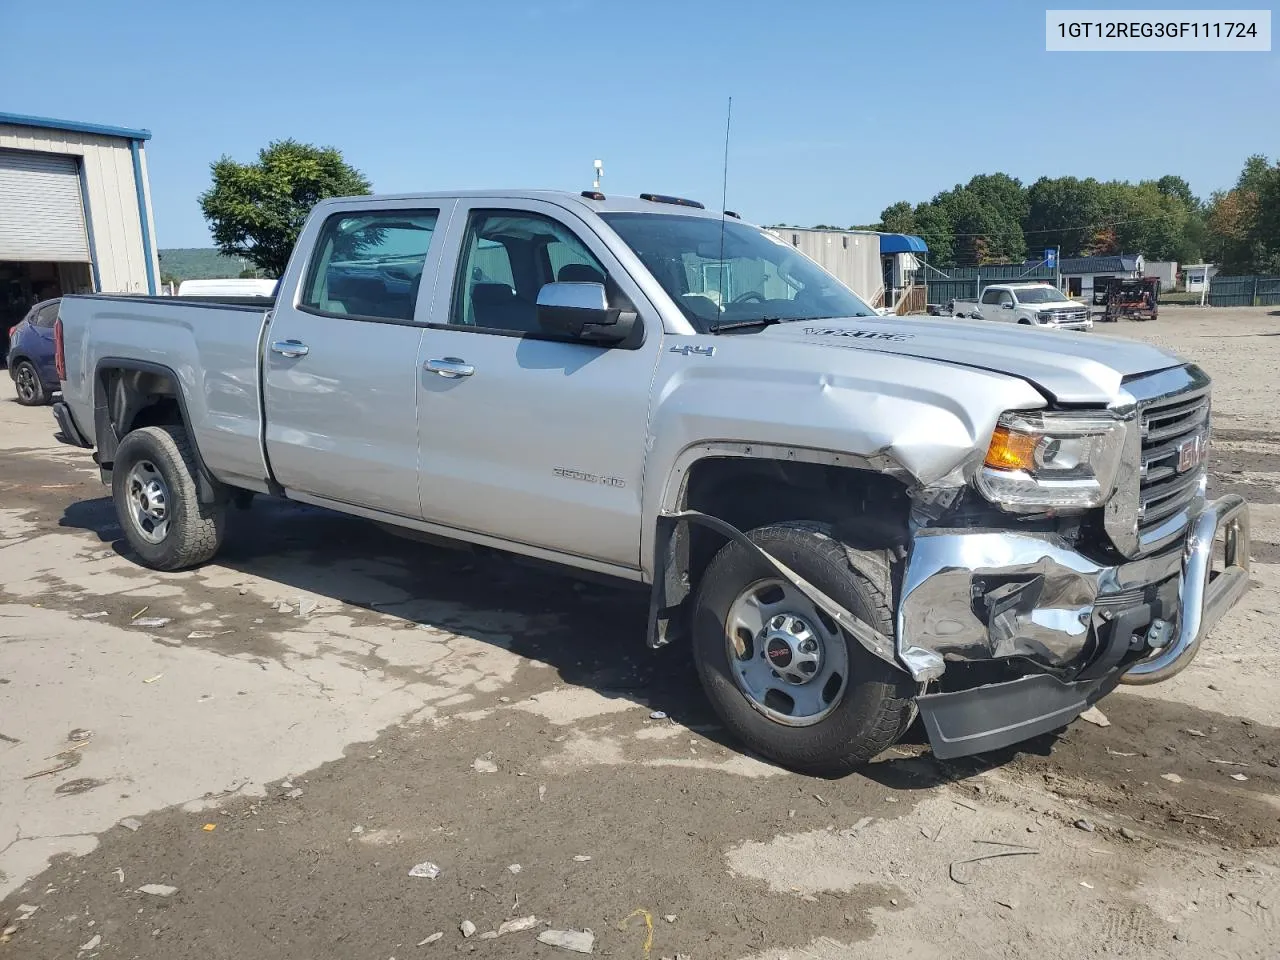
{"x":199,"y":263}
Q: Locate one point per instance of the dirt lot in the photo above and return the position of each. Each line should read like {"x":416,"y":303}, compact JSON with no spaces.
{"x":328,"y":706}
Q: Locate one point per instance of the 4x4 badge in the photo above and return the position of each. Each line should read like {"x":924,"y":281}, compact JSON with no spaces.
{"x":689,"y":348}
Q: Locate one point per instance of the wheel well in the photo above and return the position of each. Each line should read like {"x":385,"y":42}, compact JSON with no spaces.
{"x":127,"y":399}
{"x":868,"y":510}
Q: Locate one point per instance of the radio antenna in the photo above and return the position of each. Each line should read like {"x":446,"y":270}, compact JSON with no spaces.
{"x":724,"y":197}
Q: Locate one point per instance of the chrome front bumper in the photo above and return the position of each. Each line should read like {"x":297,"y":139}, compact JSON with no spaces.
{"x":974,"y":596}
{"x":1206,"y":593}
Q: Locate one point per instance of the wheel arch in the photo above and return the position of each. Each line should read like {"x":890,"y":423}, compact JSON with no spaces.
{"x":717,"y":491}
{"x":130,"y":393}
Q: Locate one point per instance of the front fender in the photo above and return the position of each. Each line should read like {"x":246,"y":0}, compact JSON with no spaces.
{"x":924,"y":422}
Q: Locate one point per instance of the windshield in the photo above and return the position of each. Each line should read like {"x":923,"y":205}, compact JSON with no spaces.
{"x":749,"y":275}
{"x":1041,"y":295}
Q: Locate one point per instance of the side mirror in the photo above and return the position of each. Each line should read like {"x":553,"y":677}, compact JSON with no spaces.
{"x":581,"y":311}
{"x":1008,"y":306}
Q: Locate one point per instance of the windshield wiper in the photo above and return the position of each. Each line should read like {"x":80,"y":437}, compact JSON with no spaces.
{"x":745,"y":324}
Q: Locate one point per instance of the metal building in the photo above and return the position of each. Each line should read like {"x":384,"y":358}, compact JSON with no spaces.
{"x":75,"y":211}
{"x":879,"y":267}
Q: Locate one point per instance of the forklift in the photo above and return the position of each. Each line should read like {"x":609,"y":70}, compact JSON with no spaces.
{"x":1137,"y":299}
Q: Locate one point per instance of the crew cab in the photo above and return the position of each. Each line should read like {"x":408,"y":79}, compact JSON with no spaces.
{"x":851,"y":518}
{"x":1030,"y":304}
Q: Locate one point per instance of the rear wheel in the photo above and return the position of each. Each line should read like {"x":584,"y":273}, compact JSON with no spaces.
{"x":783,"y":677}
{"x":26,"y":382}
{"x":154,"y":487}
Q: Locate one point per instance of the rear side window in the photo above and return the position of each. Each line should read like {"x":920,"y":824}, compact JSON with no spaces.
{"x":369,"y":265}
{"x":47,"y":316}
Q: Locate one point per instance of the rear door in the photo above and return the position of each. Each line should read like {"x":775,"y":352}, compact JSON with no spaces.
{"x":339,"y":370}
{"x":527,"y":438}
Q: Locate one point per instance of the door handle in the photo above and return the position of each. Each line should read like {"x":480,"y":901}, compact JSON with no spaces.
{"x":290,"y":348}
{"x":449,"y":367}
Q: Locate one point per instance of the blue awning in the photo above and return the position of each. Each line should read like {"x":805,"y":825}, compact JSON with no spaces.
{"x":901,"y":243}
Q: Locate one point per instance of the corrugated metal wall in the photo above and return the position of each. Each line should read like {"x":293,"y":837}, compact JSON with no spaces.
{"x":957,"y":283}
{"x":114,"y":224}
{"x":1244,"y":291}
{"x":852,"y":258}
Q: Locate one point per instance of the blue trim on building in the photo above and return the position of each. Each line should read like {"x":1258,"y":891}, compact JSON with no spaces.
{"x":902,"y":243}
{"x":88,"y":226}
{"x":74,"y":126}
{"x":135,"y":147}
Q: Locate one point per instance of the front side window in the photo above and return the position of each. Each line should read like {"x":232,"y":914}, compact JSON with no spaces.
{"x":369,"y":265}
{"x":1006,"y":298}
{"x":991,"y":296}
{"x":730,"y":272}
{"x":507,"y":257}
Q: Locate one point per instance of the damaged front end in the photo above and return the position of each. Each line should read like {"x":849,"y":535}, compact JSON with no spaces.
{"x":1018,"y":622}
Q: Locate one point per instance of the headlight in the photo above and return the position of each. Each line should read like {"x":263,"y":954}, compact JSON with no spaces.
{"x":1044,"y":316}
{"x":1064,"y":461}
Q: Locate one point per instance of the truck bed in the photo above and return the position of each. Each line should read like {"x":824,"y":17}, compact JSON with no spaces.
{"x":210,"y":347}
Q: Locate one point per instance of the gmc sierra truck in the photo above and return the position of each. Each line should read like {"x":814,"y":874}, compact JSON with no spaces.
{"x":1030,"y":304}
{"x":852,"y":519}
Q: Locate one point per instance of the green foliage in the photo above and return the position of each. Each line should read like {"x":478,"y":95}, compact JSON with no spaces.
{"x":1243,"y":228}
{"x":198,"y":263}
{"x":995,"y":219}
{"x":256,"y":210}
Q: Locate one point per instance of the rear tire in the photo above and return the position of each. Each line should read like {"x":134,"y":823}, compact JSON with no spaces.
{"x":874,"y":706}
{"x":26,"y":382}
{"x":153,"y":483}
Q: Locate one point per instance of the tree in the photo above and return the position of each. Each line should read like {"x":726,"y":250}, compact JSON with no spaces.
{"x":1243,"y":224}
{"x":898,"y":218}
{"x":256,"y":210}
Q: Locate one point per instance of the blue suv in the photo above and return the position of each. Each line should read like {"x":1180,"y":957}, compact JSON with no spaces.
{"x":31,"y":355}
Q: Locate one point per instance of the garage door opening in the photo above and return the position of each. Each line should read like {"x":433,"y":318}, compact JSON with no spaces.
{"x":24,"y":284}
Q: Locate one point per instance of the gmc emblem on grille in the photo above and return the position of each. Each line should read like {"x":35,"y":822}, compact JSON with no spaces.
{"x":1191,"y":453}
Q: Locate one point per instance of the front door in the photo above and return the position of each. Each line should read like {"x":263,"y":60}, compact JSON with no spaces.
{"x":525,"y":437}
{"x":341,"y":381}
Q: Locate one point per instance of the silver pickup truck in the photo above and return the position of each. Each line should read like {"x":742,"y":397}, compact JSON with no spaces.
{"x":1029,"y":304}
{"x":852,"y":519}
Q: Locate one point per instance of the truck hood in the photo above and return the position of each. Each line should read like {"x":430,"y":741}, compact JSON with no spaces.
{"x":1069,"y":368}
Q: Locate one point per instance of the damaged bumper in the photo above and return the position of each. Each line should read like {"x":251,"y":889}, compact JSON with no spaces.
{"x":1073,"y":627}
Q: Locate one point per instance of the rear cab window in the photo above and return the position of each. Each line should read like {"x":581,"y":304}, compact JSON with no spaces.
{"x":368,"y":265}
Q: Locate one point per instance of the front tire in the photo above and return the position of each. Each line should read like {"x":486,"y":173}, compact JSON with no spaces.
{"x":27,"y":385}
{"x":153,"y":484}
{"x":780,"y":674}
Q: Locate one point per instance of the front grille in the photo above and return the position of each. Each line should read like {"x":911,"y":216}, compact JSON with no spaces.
{"x":1174,"y":432}
{"x":1072,"y":316}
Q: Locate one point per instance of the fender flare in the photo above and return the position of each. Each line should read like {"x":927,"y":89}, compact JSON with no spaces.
{"x":108,"y":438}
{"x":873,"y":640}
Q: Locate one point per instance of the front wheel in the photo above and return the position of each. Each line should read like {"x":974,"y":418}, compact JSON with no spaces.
{"x":153,"y":483}
{"x":784,"y":678}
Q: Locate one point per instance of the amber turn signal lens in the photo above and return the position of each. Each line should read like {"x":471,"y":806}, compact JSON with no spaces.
{"x":1011,"y":451}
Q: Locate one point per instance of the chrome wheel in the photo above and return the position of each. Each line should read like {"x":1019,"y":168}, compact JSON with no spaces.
{"x":788,"y":658}
{"x":24,"y":380}
{"x":148,"y":498}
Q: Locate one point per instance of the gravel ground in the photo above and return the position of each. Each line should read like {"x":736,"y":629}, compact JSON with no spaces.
{"x":328,"y":706}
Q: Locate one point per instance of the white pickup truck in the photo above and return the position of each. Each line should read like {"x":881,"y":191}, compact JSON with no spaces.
{"x":850,"y":518}
{"x":1030,"y":304}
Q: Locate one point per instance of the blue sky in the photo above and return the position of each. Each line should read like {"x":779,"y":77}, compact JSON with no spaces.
{"x":839,"y":108}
